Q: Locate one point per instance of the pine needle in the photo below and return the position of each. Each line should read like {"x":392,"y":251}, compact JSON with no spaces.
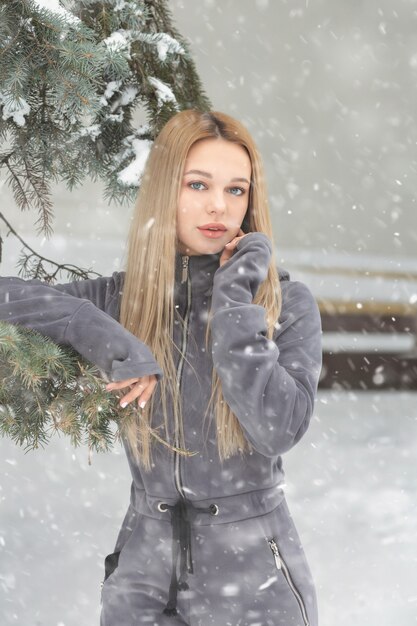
{"x":47,"y":389}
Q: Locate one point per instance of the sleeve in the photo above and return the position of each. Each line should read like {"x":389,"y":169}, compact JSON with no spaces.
{"x":269,"y":385}
{"x":103,"y":292}
{"x":75,"y":315}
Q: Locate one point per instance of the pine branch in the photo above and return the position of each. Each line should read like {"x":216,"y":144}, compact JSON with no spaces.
{"x":69,"y":87}
{"x":49,"y":389}
{"x":31,"y":263}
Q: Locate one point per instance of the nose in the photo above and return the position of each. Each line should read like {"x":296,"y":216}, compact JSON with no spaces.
{"x":217,"y":202}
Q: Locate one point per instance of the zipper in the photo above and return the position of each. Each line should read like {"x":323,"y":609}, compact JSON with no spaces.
{"x":282,"y":566}
{"x":184,"y":274}
{"x":177,"y":459}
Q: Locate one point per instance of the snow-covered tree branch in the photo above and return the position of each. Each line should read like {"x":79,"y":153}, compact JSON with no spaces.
{"x":72,"y":74}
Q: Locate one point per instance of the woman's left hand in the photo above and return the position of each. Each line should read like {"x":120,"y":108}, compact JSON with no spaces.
{"x":140,"y":389}
{"x":230,"y":247}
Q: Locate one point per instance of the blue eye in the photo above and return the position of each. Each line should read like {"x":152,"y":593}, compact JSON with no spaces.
{"x":196,"y":188}
{"x":238,"y":189}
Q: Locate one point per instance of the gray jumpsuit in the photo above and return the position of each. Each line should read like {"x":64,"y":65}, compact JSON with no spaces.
{"x":203,"y":542}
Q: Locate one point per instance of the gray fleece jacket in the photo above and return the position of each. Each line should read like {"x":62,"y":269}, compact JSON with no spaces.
{"x":270,"y":385}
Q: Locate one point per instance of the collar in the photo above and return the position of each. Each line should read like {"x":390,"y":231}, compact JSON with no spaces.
{"x":200,"y":268}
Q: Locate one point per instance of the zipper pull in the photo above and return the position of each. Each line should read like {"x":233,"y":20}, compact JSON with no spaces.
{"x":184,"y":269}
{"x":275,"y":552}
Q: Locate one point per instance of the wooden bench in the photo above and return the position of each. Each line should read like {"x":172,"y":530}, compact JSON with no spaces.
{"x":371,"y":347}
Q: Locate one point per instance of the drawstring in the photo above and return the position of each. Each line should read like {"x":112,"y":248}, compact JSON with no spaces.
{"x":182,"y":514}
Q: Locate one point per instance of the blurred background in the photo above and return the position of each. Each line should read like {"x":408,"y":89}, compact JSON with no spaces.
{"x":328,"y":91}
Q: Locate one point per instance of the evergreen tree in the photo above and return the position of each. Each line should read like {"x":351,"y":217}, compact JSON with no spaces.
{"x":69,"y":85}
{"x":70,"y":81}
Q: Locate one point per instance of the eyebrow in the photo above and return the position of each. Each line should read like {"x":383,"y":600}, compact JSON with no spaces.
{"x":207,"y":175}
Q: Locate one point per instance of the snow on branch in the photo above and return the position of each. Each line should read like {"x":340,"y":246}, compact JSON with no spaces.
{"x":70,"y":84}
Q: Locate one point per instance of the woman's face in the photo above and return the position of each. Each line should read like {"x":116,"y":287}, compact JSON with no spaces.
{"x":214,"y":193}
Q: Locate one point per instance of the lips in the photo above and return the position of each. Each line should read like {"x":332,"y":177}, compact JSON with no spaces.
{"x":213,"y":230}
{"x":214,"y":226}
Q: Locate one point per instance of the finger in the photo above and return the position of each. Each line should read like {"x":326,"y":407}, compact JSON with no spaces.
{"x":229,"y":248}
{"x":147,"y":393}
{"x":225,"y":256}
{"x":142,"y":390}
{"x":121,"y":384}
{"x":232,"y":243}
{"x":132,"y":395}
{"x":238,"y":237}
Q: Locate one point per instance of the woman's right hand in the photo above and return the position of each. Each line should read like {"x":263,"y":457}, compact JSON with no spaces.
{"x":230,"y":247}
{"x":140,"y":389}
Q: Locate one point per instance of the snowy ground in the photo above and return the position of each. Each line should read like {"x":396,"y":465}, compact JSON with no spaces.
{"x":351,"y":485}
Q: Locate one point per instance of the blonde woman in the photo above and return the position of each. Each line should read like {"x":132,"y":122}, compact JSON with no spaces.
{"x":221,"y":352}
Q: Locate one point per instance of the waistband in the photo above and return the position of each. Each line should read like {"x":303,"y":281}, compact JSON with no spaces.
{"x":224,"y":509}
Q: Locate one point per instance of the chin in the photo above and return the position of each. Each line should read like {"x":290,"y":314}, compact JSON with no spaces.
{"x":209,"y":248}
{"x":212,"y":249}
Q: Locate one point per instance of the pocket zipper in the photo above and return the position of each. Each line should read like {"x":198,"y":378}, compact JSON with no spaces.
{"x":281,"y":565}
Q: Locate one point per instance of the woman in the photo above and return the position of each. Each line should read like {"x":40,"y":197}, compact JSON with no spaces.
{"x":222,"y":352}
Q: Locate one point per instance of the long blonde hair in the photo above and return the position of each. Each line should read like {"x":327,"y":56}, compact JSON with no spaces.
{"x":147,"y":306}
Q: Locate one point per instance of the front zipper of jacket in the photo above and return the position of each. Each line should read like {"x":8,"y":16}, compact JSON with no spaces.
{"x":282,"y":566}
{"x":184,"y":278}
